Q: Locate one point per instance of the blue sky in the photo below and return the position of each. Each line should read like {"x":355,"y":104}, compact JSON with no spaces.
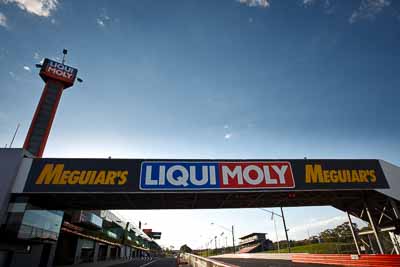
{"x":210,"y":79}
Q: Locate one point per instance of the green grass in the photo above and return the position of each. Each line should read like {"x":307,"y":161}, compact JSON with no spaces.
{"x":320,"y":248}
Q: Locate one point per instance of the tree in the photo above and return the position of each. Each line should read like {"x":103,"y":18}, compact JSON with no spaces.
{"x":185,"y":248}
{"x":341,"y":233}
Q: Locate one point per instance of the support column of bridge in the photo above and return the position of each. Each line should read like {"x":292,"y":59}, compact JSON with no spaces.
{"x":395,"y":238}
{"x":374,"y":228}
{"x":395,"y":208}
{"x":353,"y":233}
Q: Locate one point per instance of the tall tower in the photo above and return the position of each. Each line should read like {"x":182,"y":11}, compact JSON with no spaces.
{"x":57,"y":77}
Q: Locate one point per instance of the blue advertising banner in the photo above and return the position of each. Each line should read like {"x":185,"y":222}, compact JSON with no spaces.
{"x":215,"y":175}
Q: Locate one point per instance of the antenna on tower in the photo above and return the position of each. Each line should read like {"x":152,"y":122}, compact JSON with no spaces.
{"x":65,"y":51}
{"x":15,"y":133}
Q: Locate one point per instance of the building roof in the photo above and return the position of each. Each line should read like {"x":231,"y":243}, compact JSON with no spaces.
{"x":252,"y":234}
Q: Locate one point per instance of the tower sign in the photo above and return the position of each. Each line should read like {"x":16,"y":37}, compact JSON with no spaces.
{"x":57,"y":77}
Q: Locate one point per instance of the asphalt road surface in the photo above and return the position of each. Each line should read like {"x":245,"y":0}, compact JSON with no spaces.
{"x":171,"y":262}
{"x":268,"y":263}
{"x":157,"y":262}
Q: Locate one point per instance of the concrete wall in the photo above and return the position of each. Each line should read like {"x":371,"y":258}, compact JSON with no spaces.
{"x":108,"y":252}
{"x":31,"y":258}
{"x":10,"y":161}
{"x":197,"y":261}
{"x":78,"y":251}
{"x":125,"y":252}
{"x":52,"y":255}
{"x":96,"y":251}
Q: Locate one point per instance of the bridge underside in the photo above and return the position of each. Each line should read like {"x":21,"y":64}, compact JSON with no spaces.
{"x":372,"y":206}
{"x":346,"y":200}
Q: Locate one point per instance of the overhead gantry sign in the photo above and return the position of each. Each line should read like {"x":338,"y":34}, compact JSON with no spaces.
{"x":358,"y":187}
{"x":139,"y":176}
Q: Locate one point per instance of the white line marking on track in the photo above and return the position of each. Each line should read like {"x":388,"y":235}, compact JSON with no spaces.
{"x":148,"y":263}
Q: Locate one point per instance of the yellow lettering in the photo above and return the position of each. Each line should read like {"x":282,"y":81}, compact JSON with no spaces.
{"x":64,"y":177}
{"x":372,"y":176}
{"x":74,"y":177}
{"x":123,"y":178}
{"x":50,"y":174}
{"x":348,"y":173}
{"x":100,"y":178}
{"x":55,"y":174}
{"x":110,"y":177}
{"x":91,"y":181}
{"x":326,"y":177}
{"x":84,"y":177}
{"x":342,"y":176}
{"x":363,"y":176}
{"x":313,"y":173}
{"x":354,"y":176}
{"x":333,"y":175}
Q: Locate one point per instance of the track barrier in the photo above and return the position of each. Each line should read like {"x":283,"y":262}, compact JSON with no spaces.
{"x":349,"y":260}
{"x":197,"y":261}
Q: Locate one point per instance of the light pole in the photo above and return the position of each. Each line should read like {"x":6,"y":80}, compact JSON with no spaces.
{"x":229,"y":230}
{"x":276,"y":233}
{"x":201,"y":245}
{"x":286,"y":230}
{"x":284,"y":225}
{"x":206,"y":245}
{"x":210,"y":244}
{"x":221,"y":242}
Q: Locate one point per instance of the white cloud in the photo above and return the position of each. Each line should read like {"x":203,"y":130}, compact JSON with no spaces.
{"x":308,"y":2}
{"x":103,"y":20}
{"x":100,"y":22}
{"x":255,"y":3}
{"x":27,"y":68}
{"x":315,"y":226}
{"x":228,"y":136}
{"x":12,"y":74}
{"x":327,"y":5}
{"x":226,"y":126}
{"x":41,"y":8}
{"x":3,"y":20}
{"x":368,"y":9}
